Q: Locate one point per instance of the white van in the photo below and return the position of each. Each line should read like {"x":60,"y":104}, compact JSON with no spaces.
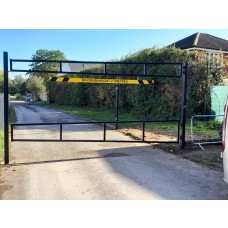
{"x":225,"y":142}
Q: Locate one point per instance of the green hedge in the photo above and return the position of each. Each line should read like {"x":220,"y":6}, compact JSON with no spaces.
{"x":145,"y":101}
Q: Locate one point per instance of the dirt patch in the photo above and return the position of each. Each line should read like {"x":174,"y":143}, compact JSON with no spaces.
{"x":155,"y":135}
{"x":209,"y":157}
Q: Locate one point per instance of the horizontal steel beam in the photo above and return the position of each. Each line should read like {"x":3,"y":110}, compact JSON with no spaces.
{"x":92,"y":62}
{"x":81,"y":140}
{"x":99,"y":74}
{"x":100,"y":122}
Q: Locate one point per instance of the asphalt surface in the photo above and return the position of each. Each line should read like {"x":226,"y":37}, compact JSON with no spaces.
{"x":101,"y":171}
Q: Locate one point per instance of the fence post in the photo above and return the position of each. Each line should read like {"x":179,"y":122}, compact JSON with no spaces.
{"x":6,"y":108}
{"x":117,"y":104}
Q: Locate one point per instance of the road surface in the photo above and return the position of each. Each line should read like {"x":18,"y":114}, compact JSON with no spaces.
{"x":100,"y":171}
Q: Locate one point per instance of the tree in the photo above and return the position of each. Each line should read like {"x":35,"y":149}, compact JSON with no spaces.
{"x":35,"y":85}
{"x":1,"y":82}
{"x":43,"y":54}
{"x":17,"y":85}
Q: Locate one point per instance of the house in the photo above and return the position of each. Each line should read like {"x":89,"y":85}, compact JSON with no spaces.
{"x":213,"y":47}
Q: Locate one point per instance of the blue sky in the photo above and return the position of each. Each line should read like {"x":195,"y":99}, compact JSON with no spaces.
{"x":90,"y":44}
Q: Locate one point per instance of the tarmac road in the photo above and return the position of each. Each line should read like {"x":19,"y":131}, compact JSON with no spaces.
{"x":101,"y":171}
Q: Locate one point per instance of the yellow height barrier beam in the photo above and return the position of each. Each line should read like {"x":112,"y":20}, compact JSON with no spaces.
{"x":100,"y":80}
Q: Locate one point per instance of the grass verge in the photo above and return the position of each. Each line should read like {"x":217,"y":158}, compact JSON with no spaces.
{"x":109,"y":115}
{"x":92,"y":113}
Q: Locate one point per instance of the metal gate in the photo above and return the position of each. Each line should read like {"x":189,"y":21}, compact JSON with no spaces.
{"x":181,"y":74}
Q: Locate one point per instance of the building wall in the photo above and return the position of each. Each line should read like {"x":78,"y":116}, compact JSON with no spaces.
{"x":225,"y":56}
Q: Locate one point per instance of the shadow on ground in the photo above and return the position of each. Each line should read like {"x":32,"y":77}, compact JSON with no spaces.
{"x":159,"y":172}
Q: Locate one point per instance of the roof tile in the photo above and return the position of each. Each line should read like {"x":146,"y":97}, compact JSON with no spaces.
{"x":202,"y":40}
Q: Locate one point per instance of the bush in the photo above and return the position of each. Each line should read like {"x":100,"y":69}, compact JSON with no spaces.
{"x":214,"y":124}
{"x":19,"y":97}
{"x":161,"y":100}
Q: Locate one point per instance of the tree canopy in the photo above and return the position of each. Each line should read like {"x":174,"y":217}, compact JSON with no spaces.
{"x":1,"y":82}
{"x":43,"y":54}
{"x":35,"y":85}
{"x":17,"y":85}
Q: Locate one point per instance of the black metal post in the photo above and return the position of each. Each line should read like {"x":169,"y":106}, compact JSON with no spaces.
{"x":11,"y":64}
{"x":105,"y":68}
{"x":11,"y":132}
{"x":143,"y":131}
{"x":145,"y":69}
{"x":104,"y":132}
{"x":183,"y":104}
{"x":60,"y":67}
{"x":6,"y":108}
{"x":178,"y":132}
{"x":61,"y":132}
{"x":117,"y":104}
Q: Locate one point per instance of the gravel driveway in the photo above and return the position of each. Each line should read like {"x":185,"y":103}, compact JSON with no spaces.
{"x":73,"y":170}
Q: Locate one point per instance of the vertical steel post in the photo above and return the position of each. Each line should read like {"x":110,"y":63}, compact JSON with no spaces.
{"x":11,"y":64}
{"x":105,"y":68}
{"x":11,"y":132}
{"x":178,"y":133}
{"x":143,"y":132}
{"x":6,"y":108}
{"x":145,"y":69}
{"x":117,"y":104}
{"x":61,"y":132}
{"x":183,"y":104}
{"x":60,"y":67}
{"x":104,"y":138}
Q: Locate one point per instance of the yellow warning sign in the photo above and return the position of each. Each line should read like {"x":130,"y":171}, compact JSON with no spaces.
{"x":100,"y":80}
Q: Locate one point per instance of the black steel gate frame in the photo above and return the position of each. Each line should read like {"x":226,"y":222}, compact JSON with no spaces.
{"x":183,"y":76}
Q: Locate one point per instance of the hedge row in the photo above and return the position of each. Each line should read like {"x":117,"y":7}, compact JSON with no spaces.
{"x":161,"y":99}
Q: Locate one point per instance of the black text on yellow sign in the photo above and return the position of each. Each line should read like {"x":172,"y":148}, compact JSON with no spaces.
{"x":100,"y":80}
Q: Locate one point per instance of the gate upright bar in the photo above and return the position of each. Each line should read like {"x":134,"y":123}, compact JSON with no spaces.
{"x":117,"y":104}
{"x":184,"y":70}
{"x":6,"y":108}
